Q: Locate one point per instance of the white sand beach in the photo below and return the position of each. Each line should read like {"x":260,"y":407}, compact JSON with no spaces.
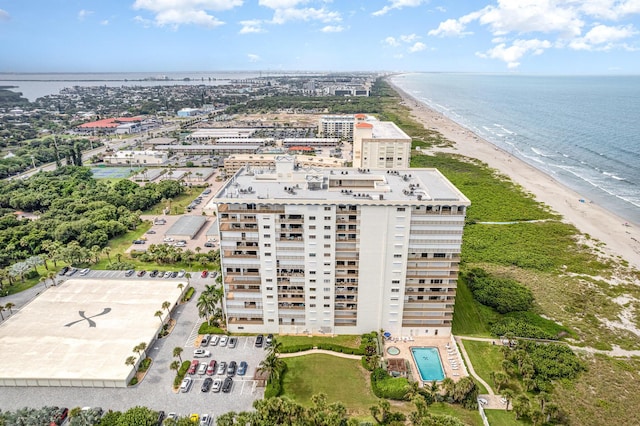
{"x":622,"y":238}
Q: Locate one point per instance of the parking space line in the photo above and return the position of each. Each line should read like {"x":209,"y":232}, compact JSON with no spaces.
{"x":192,"y":337}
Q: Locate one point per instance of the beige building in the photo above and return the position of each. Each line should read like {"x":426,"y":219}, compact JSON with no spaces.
{"x":136,"y":157}
{"x":233,"y":163}
{"x":380,"y":145}
{"x":339,"y":251}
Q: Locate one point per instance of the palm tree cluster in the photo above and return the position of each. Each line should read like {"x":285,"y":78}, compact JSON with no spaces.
{"x":271,"y":365}
{"x":210,"y":305}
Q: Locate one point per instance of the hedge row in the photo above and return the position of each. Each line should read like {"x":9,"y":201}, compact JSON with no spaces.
{"x":274,"y":387}
{"x":181,"y":373}
{"x":296,"y":348}
{"x":189,"y":294}
{"x":339,"y":348}
{"x":385,"y":386}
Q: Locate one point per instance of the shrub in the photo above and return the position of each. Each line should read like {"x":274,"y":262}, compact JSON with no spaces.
{"x":274,"y":387}
{"x":144,"y":365}
{"x":296,"y":348}
{"x":205,"y":328}
{"x":528,"y":324}
{"x":385,"y":386}
{"x":182,"y":371}
{"x":133,"y":381}
{"x":503,"y":294}
{"x":189,"y":294}
{"x":338,"y":348}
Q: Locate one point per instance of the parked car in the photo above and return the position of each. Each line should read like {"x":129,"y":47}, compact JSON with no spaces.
{"x":202,"y":368}
{"x":59,"y":417}
{"x":174,"y":274}
{"x":151,"y":231}
{"x":160,"y":417}
{"x":153,"y":273}
{"x":231,"y":369}
{"x":268,"y":340}
{"x":224,"y":340}
{"x":209,"y":244}
{"x":141,"y":273}
{"x":167,"y":274}
{"x":217,"y":385}
{"x":204,"y":274}
{"x":242,"y":368}
{"x":193,"y":367}
{"x":205,"y":420}
{"x":85,"y":271}
{"x":129,"y":273}
{"x":206,"y":385}
{"x":201,"y":353}
{"x":168,"y":240}
{"x":182,"y":271}
{"x":233,"y":342}
{"x":64,"y":270}
{"x":186,"y":384}
{"x":226,"y":386}
{"x":211,"y":369}
{"x":259,"y":340}
{"x":205,"y":340}
{"x":215,"y":340}
{"x":72,"y":271}
{"x":139,"y":242}
{"x":195,"y":418}
{"x":222,"y":368}
{"x":172,"y":416}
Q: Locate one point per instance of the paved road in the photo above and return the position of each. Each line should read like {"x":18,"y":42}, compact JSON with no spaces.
{"x":156,"y":390}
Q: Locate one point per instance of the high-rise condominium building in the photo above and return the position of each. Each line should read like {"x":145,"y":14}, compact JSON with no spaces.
{"x":341,"y":251}
{"x":380,"y":145}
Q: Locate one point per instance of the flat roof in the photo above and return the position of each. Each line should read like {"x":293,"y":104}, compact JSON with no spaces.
{"x":187,"y":225}
{"x":82,"y":330}
{"x":339,"y":185}
{"x":387,"y":130}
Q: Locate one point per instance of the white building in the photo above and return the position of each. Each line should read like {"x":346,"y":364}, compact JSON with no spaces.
{"x":136,"y":157}
{"x":339,"y":251}
{"x":337,"y":126}
{"x":380,"y":145}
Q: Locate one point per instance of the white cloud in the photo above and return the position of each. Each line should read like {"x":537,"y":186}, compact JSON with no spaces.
{"x":332,"y":29}
{"x":602,"y":37}
{"x":184,"y":12}
{"x":146,"y":23}
{"x":417,"y":47}
{"x":253,"y":57}
{"x":251,"y":27}
{"x":512,"y":54}
{"x":104,"y":22}
{"x":409,"y":38}
{"x":281,"y":16}
{"x":449,"y":28}
{"x":4,"y":15}
{"x":609,"y":9}
{"x":281,"y":4}
{"x":391,"y":41}
{"x":84,"y":13}
{"x":441,"y":9}
{"x":398,"y":4}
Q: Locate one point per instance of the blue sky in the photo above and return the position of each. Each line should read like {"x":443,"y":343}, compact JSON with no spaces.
{"x":528,"y":36}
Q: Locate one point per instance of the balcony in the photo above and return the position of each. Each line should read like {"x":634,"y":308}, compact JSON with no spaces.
{"x":240,"y":321}
{"x":291,"y":306}
{"x":237,"y":208}
{"x":290,"y":298}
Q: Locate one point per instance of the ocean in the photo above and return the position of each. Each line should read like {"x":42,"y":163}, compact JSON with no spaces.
{"x":584,"y":131}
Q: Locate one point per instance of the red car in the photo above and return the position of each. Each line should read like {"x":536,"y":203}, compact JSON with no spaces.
{"x":194,"y":366}
{"x":60,"y":417}
{"x":212,"y":367}
{"x":204,"y":274}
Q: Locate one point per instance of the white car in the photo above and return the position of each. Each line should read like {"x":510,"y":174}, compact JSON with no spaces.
{"x":224,"y":340}
{"x":202,"y":368}
{"x":214,"y":340}
{"x":201,"y":353}
{"x":483,"y":401}
{"x":205,"y":420}
{"x":85,"y":271}
{"x":168,"y":240}
{"x":186,"y":384}
{"x":217,"y":385}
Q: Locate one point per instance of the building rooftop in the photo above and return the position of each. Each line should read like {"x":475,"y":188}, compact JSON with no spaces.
{"x":387,"y":130}
{"x":288,"y":184}
{"x":187,"y":225}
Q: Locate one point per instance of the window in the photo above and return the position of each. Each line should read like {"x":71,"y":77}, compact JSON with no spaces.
{"x":267,"y":254}
{"x":312,"y":272}
{"x":327,"y":227}
{"x":327,"y":281}
{"x":327,"y":289}
{"x":270,"y":296}
{"x":400,"y":209}
{"x":312,"y":255}
{"x":267,"y":235}
{"x":395,"y":282}
{"x":327,"y":255}
{"x":327,"y":237}
{"x":395,"y":290}
{"x":327,"y":298}
{"x":439,"y":255}
{"x":312,"y":281}
{"x":312,"y":297}
{"x":267,"y":227}
{"x":312,"y":289}
{"x":312,"y":218}
{"x":267,"y":244}
{"x":269,"y":280}
{"x":327,"y":218}
{"x":269,"y":288}
{"x":312,"y":237}
{"x":327,"y":209}
{"x":312,"y":227}
{"x":327,"y":306}
{"x":397,"y":256}
{"x":327,"y":246}
{"x":312,"y":305}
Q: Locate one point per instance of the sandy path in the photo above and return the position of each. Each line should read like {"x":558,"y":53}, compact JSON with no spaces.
{"x":588,"y":217}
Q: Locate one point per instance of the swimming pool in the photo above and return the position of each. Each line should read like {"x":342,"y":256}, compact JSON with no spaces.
{"x":428,"y":361}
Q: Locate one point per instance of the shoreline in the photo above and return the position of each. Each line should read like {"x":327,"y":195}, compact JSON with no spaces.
{"x":588,"y":217}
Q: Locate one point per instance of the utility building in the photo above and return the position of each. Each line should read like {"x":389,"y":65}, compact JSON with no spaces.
{"x":342,"y":251}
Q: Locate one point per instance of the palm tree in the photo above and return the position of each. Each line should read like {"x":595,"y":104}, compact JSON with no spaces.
{"x":159,"y":315}
{"x":181,"y":286}
{"x":521,"y":405}
{"x":131,"y":361}
{"x":412,"y":390}
{"x":8,"y":306}
{"x":447,"y":386}
{"x":551,"y":409}
{"x":43,"y":280}
{"x":271,"y":365}
{"x":507,"y":394}
{"x":499,"y":379}
{"x":140,"y":348}
{"x":1,"y":309}
{"x":52,"y":277}
{"x":175,"y":365}
{"x":166,"y":305}
{"x":107,"y":251}
{"x":177,"y":351}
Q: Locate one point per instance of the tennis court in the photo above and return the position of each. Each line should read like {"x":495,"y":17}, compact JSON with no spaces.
{"x":113,"y":172}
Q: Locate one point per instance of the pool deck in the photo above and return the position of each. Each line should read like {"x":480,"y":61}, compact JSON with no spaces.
{"x":447,"y":348}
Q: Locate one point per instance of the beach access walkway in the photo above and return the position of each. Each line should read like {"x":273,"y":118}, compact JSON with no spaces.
{"x":319,"y":351}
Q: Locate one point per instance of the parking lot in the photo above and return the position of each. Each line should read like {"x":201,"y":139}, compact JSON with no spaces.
{"x":156,"y":390}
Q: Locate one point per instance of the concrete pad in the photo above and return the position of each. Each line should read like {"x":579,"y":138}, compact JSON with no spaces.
{"x":81,"y":332}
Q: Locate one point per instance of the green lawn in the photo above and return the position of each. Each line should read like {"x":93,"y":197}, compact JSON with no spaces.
{"x":503,"y":418}
{"x":350,"y":341}
{"x":342,"y":380}
{"x":485,"y":358}
{"x":469,"y":316}
{"x":469,"y":417}
{"x":178,"y":204}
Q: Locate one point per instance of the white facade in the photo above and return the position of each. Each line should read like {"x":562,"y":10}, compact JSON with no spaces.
{"x":340,"y":251}
{"x":136,"y":157}
{"x":380,"y":145}
{"x":337,"y":126}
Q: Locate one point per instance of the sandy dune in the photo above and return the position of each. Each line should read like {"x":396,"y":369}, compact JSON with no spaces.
{"x":621,"y":238}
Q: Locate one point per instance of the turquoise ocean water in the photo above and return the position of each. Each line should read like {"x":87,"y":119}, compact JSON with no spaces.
{"x":583,"y":131}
